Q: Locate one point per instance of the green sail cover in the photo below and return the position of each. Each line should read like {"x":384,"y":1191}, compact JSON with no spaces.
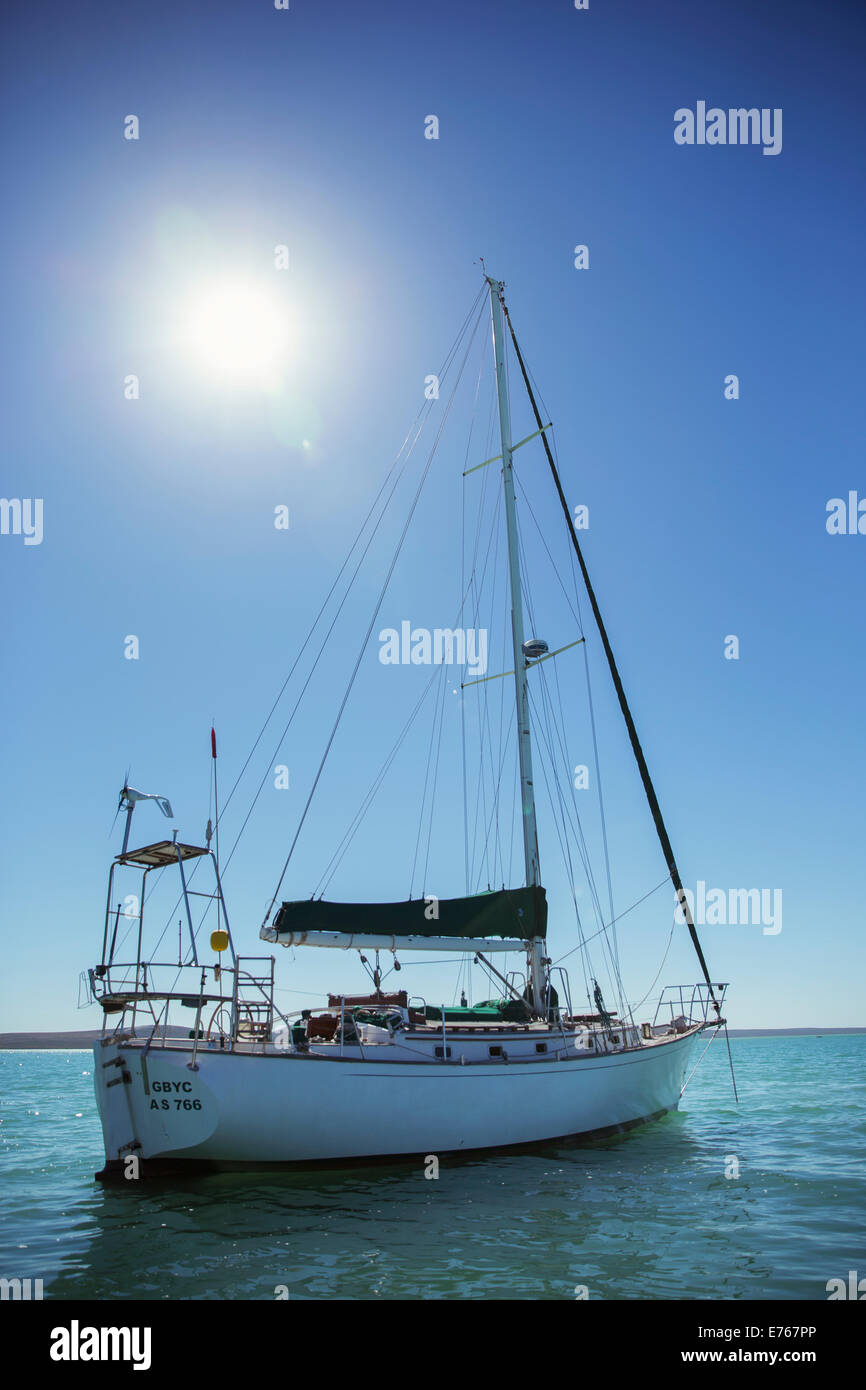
{"x":511,"y":912}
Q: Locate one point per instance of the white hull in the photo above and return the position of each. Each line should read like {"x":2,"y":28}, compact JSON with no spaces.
{"x":243,"y":1109}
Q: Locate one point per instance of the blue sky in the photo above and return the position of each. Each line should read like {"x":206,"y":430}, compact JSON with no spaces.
{"x":707,"y":516}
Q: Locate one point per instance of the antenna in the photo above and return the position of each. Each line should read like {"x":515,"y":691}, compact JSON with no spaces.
{"x":216,"y":815}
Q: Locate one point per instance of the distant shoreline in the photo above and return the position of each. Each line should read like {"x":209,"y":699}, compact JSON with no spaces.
{"x":792,"y":1032}
{"x":82,"y":1040}
{"x":85,"y":1038}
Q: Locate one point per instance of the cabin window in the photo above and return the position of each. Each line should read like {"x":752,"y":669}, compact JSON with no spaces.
{"x":442,"y":1051}
{"x":541,"y":1047}
{"x":494,"y":1051}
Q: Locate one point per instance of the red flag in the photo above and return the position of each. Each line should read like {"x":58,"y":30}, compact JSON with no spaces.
{"x":213,"y":742}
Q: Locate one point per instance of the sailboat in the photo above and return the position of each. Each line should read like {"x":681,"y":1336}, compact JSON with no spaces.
{"x":384,"y":1074}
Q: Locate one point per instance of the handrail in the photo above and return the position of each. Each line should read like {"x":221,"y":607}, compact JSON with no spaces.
{"x":566,"y":988}
{"x":250,"y":987}
{"x":193,"y":1065}
{"x":700,"y":1002}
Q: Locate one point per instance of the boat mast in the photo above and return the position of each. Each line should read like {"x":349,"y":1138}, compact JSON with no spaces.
{"x":536,"y":948}
{"x":649,"y":789}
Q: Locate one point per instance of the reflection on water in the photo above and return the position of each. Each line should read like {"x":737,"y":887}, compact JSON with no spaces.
{"x":649,"y":1214}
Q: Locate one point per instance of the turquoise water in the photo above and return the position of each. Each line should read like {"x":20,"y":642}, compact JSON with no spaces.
{"x":649,"y":1214}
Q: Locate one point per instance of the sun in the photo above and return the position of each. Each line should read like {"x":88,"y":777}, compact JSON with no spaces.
{"x":236,"y":331}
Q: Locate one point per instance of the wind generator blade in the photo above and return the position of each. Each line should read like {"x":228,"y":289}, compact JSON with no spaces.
{"x":119,"y":803}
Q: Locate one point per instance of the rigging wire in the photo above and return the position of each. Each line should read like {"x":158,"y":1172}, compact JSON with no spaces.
{"x":435,"y":781}
{"x":375,"y":614}
{"x":625,"y":913}
{"x":649,"y":789}
{"x":552,"y":722}
{"x":436,"y":707}
{"x":598,"y":781}
{"x":338,"y":855}
{"x":462,"y":699}
{"x":406,"y":448}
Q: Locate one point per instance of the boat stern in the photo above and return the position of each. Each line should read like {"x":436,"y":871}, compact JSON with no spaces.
{"x":151,"y":1103}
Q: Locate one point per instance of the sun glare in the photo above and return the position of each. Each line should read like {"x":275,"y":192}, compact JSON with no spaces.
{"x":236,"y":331}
